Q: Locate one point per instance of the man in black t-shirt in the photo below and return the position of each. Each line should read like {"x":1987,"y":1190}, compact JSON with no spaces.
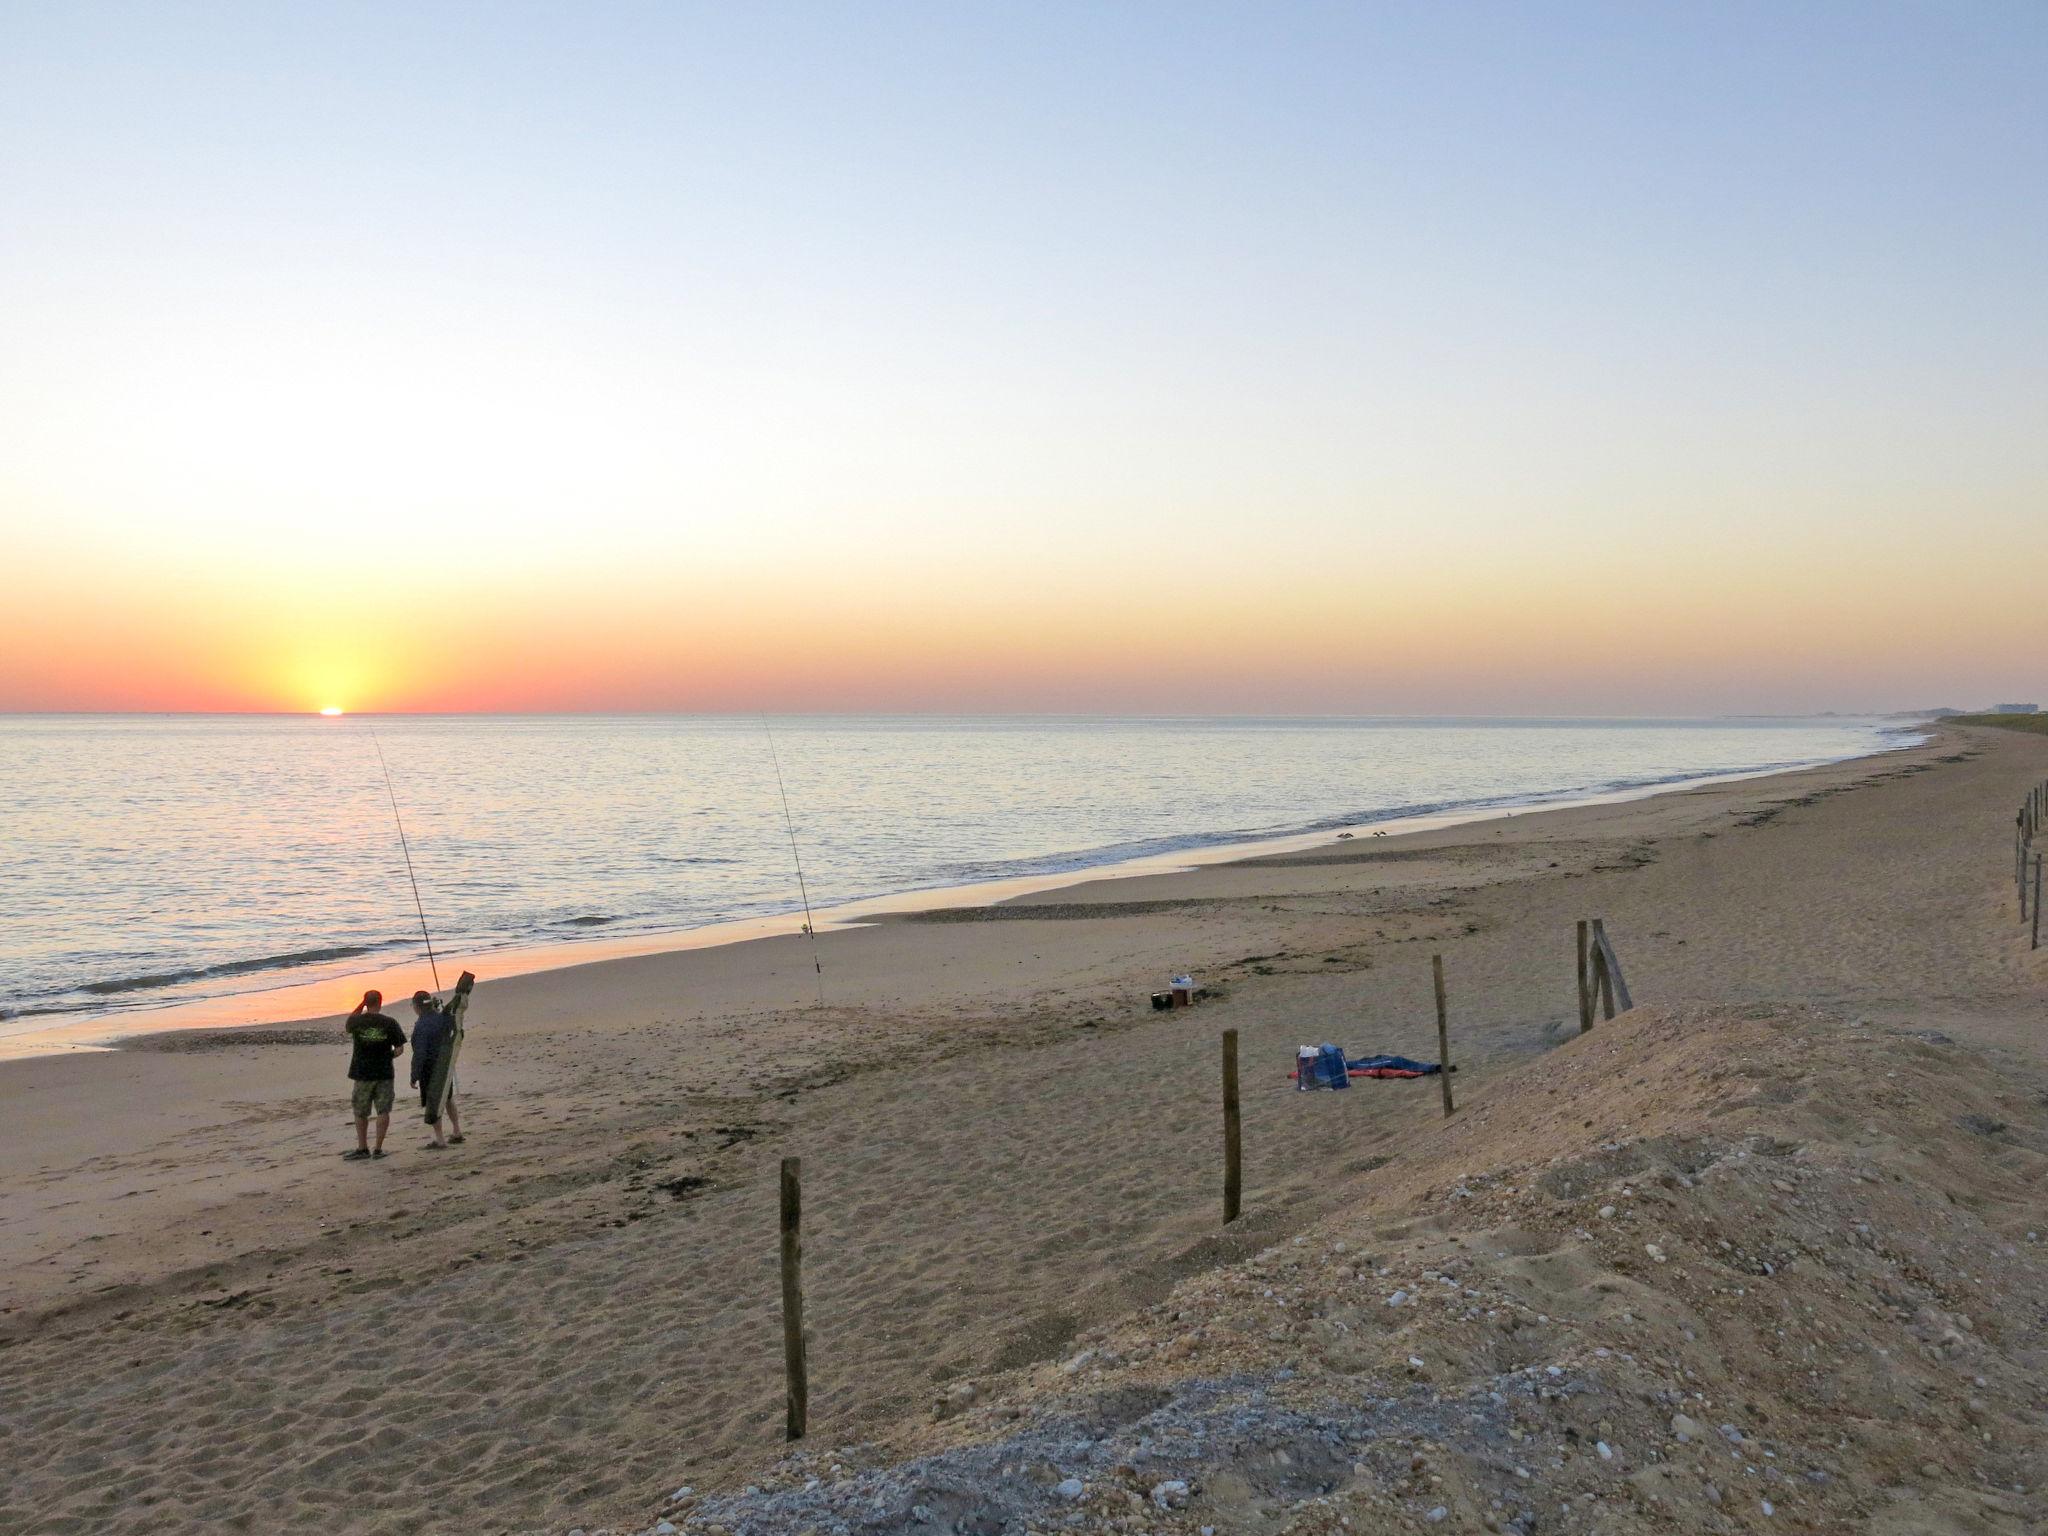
{"x":376,"y":1041}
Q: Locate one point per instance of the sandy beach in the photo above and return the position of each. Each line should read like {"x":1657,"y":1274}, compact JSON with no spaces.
{"x":211,"y":1321}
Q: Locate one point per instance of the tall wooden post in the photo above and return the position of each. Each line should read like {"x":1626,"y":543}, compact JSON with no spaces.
{"x":1585,"y":983}
{"x":1608,"y":969}
{"x":1233,"y":1138}
{"x":2037,"y":903}
{"x":1614,"y":982}
{"x":793,"y":1365}
{"x":1443,"y":1034}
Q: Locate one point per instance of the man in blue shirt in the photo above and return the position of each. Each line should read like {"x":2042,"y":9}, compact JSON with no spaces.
{"x":433,"y":1032}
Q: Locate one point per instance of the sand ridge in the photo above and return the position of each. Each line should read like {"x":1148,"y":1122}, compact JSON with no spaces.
{"x":1706,"y":1268}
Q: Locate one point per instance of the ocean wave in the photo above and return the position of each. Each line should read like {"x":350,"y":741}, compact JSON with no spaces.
{"x":156,"y":980}
{"x":1196,"y":842}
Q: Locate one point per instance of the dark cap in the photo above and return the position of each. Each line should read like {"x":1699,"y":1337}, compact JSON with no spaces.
{"x":423,"y":996}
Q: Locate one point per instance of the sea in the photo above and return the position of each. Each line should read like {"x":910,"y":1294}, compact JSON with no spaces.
{"x":156,"y":859}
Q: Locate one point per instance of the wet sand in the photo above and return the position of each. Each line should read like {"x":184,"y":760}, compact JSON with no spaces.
{"x":212,"y":1320}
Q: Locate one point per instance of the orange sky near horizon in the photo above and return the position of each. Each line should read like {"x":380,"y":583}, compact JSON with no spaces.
{"x":1557,"y":636}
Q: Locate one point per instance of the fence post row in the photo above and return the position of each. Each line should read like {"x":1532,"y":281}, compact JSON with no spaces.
{"x":1599,"y":971}
{"x":2026,"y":822}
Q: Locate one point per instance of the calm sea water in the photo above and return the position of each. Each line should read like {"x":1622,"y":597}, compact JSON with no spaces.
{"x":145,"y":859}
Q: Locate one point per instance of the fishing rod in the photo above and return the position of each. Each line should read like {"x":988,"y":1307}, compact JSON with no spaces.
{"x":796,"y":858}
{"x":406,"y":848}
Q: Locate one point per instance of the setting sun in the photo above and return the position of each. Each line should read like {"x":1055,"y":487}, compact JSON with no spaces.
{"x":332,"y":709}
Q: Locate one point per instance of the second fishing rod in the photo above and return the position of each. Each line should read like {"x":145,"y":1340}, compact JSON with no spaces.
{"x":405,"y":846}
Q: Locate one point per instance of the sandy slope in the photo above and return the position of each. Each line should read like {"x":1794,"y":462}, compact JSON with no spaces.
{"x":1711,"y":1269}
{"x":211,"y":1320}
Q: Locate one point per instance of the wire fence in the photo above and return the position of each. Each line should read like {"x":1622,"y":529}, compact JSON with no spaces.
{"x":1602,"y":990}
{"x":2026,"y":863}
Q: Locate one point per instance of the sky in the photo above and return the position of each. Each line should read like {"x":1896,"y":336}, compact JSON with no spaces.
{"x":1175,"y":358}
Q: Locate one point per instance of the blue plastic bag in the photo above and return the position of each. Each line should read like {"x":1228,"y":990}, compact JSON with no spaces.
{"x":1331,"y":1072}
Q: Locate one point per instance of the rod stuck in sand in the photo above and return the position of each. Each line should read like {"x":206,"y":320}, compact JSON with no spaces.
{"x":796,"y":858}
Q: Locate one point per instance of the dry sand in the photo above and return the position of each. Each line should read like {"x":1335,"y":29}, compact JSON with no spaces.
{"x":210,"y":1320}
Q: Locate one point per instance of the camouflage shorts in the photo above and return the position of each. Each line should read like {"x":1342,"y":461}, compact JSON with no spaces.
{"x":371,"y":1098}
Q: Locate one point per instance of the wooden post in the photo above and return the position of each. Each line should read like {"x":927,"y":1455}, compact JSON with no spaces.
{"x":1585,"y":983}
{"x":1233,"y":1132}
{"x":1617,"y":983}
{"x":1613,"y":985}
{"x":1443,"y":1035}
{"x":793,"y":1297}
{"x":2037,"y":903}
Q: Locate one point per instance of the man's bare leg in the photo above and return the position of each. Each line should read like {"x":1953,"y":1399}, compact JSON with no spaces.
{"x":383,"y":1125}
{"x":362,"y":1135}
{"x":454,"y":1120}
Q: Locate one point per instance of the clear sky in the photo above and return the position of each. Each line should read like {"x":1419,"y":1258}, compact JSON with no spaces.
{"x":1354,"y":358}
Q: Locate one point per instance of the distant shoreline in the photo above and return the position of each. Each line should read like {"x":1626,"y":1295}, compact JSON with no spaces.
{"x":288,"y":1002}
{"x":1905,"y":716}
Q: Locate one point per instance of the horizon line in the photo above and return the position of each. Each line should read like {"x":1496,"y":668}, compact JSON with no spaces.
{"x":955,"y":714}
